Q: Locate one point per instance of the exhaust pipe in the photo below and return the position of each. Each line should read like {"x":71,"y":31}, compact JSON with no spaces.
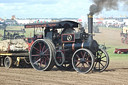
{"x":90,"y":25}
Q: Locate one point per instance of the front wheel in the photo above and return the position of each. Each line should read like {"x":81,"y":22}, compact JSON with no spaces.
{"x":101,"y":60}
{"x":83,"y":60}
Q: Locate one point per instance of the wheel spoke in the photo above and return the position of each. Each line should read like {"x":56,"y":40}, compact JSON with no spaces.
{"x":103,"y":61}
{"x":36,"y":49}
{"x":37,"y":52}
{"x":78,"y":64}
{"x":87,"y":64}
{"x":77,"y":60}
{"x":84,"y":55}
{"x":103,"y":57}
{"x":36,"y":55}
{"x":77,"y":56}
{"x":46,"y":50}
{"x":45,"y":61}
{"x":47,"y":58}
{"x":83,"y":65}
{"x":37,"y":61}
{"x":39,"y":46}
{"x":88,"y":60}
{"x":101,"y":64}
{"x":101,"y":52}
{"x":81,"y":54}
{"x":43,"y":48}
{"x":41,"y":61}
{"x":88,"y":56}
{"x":95,"y":64}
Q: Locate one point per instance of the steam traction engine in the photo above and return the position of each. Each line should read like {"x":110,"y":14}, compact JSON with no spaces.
{"x":67,"y":46}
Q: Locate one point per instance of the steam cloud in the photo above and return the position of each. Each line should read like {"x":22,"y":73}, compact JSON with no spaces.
{"x":99,"y":5}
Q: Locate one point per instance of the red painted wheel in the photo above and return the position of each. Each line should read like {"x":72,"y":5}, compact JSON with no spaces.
{"x":83,"y":60}
{"x":59,"y":58}
{"x":63,"y":61}
{"x":101,"y":60}
{"x":41,"y":55}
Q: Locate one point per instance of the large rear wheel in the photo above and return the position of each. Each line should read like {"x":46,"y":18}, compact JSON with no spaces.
{"x":41,"y":55}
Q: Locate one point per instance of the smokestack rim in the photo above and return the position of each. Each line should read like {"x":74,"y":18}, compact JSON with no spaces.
{"x":90,"y":15}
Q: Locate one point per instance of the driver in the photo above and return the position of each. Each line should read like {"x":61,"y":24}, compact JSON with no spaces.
{"x":68,"y":29}
{"x":46,"y":30}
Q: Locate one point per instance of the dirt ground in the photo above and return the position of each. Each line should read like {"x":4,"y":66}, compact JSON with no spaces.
{"x":109,"y":37}
{"x":115,"y":74}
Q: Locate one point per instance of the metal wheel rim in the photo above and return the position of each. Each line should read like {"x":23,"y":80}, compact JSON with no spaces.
{"x":102,"y":62}
{"x":84,"y":61}
{"x":43,"y":68}
{"x":8,"y":62}
{"x":62,"y":58}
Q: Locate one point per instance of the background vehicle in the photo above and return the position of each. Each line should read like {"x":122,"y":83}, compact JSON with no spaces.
{"x":124,"y":35}
{"x":13,"y":34}
{"x":15,"y":47}
{"x":3,"y":25}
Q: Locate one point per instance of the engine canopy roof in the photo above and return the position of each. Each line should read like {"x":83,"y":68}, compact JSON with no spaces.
{"x":57,"y":25}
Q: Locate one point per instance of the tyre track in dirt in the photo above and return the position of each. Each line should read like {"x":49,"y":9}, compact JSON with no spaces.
{"x":15,"y":76}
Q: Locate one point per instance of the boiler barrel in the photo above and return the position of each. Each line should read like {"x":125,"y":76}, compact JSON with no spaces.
{"x":75,"y":46}
{"x":92,"y":46}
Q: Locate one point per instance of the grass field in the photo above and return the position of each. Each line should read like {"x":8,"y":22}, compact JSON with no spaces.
{"x":114,"y":56}
{"x":111,"y":38}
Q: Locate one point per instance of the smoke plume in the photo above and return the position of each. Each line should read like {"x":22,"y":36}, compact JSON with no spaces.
{"x":99,"y":5}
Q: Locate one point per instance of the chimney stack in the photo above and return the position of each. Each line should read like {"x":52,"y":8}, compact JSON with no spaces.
{"x":90,"y":24}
